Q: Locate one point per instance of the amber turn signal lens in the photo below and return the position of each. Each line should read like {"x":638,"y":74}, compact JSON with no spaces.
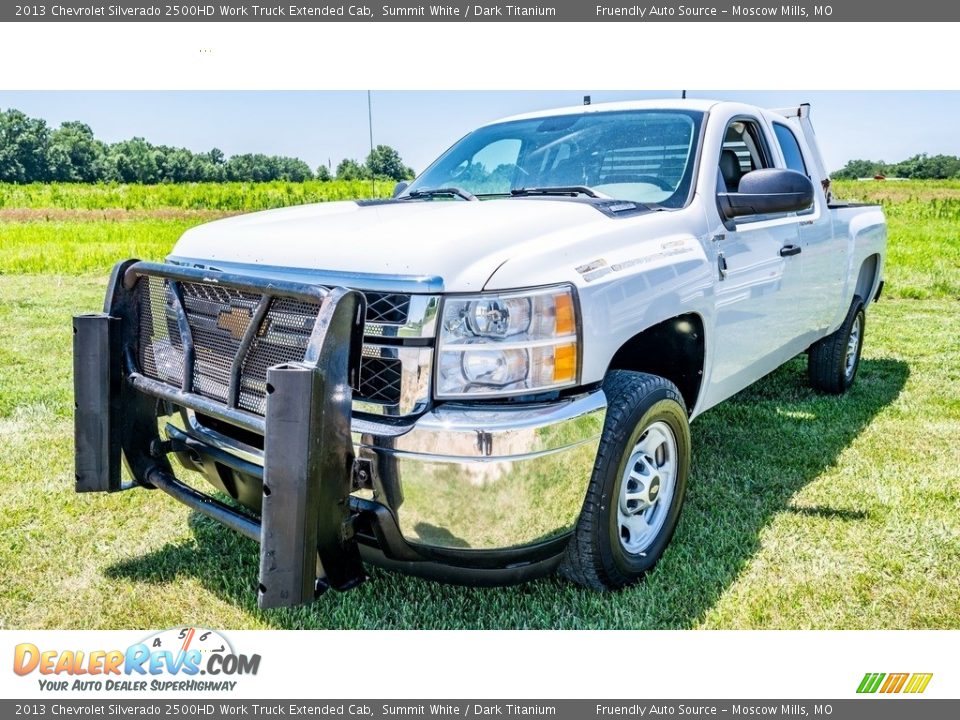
{"x":565,"y":363}
{"x":565,"y":324}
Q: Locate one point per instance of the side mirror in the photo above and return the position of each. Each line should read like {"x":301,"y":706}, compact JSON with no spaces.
{"x":767,"y":191}
{"x":400,"y":187}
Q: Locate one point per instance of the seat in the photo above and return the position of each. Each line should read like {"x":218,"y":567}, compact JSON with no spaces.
{"x":730,"y":169}
{"x":567,"y":173}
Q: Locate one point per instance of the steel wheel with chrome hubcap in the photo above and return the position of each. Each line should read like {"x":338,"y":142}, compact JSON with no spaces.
{"x":853,"y":348}
{"x":635,"y":494}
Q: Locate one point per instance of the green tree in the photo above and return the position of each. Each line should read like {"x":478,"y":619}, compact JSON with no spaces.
{"x":859,"y":168}
{"x":32,"y":152}
{"x":24,"y":146}
{"x":384,"y":161}
{"x":75,"y":155}
{"x":173,"y":164}
{"x":926,"y":167}
{"x":250,"y":167}
{"x":208,"y":167}
{"x":350,"y":170}
{"x":292,"y":169}
{"x":134,"y":161}
{"x":919,"y":167}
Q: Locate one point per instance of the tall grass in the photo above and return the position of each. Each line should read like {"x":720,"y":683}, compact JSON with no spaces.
{"x":891,"y":193}
{"x":923,"y":222}
{"x":142,"y":221}
{"x":74,"y":248}
{"x":227,"y":197}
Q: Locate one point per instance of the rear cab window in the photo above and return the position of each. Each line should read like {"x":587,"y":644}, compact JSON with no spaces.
{"x":792,"y":154}
{"x":790,"y":148}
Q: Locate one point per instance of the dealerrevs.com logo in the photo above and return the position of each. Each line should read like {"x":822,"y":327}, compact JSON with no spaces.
{"x":170,"y":660}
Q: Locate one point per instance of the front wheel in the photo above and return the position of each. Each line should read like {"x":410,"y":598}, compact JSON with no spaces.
{"x":638,"y":483}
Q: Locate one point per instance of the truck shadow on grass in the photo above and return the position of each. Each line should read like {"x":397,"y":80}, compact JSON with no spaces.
{"x":751,"y":455}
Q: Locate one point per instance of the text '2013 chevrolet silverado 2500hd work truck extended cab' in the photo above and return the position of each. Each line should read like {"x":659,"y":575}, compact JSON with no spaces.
{"x":490,"y":375}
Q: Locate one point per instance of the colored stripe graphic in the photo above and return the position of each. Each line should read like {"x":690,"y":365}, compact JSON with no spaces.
{"x":918,"y":682}
{"x":870,"y":682}
{"x":894,"y":682}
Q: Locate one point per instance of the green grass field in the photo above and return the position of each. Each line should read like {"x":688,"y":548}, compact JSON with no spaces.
{"x":804,"y":511}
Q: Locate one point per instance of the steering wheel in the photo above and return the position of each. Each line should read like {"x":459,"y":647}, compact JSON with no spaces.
{"x":653,"y":180}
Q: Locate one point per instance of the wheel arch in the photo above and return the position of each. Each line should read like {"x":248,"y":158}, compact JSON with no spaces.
{"x":674,"y":349}
{"x":868,"y":278}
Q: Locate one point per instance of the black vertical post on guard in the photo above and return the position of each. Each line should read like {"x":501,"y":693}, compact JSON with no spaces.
{"x":308,"y":457}
{"x":96,"y":388}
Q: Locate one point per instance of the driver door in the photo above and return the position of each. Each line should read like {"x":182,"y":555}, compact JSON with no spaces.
{"x":758,"y":284}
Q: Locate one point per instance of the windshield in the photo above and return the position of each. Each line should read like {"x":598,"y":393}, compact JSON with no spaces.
{"x":640,"y":155}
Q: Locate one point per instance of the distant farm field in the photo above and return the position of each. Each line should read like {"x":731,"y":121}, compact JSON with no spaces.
{"x":64,"y":228}
{"x":804,"y":511}
{"x":221,"y":197}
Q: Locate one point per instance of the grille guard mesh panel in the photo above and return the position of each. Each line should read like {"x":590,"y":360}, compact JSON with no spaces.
{"x":219,"y":317}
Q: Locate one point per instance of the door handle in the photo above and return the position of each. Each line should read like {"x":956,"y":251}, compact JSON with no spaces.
{"x":788,"y":250}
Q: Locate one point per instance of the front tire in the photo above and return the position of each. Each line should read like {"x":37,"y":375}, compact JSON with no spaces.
{"x":639,"y":480}
{"x":833,"y":361}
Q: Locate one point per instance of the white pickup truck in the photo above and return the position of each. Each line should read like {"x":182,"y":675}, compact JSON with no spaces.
{"x":489,"y":376}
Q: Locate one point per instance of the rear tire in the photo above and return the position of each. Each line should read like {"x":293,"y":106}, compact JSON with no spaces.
{"x":833,"y":361}
{"x":639,"y":480}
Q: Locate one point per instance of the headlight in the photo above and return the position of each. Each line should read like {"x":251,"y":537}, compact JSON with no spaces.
{"x":501,"y":344}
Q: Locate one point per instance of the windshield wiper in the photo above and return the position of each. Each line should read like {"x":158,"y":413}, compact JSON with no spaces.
{"x":571,"y":190}
{"x":449,"y":191}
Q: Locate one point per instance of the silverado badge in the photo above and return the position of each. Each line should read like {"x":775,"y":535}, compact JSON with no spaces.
{"x":234,"y":321}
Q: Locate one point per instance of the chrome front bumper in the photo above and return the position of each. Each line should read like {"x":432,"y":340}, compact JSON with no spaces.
{"x":462,"y":477}
{"x":475,"y":492}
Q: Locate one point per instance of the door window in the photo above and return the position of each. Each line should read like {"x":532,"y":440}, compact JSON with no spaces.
{"x":792,"y":154}
{"x":790,"y":148}
{"x":743,"y":151}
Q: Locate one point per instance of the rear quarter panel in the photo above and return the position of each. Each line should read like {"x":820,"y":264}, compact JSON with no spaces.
{"x":865,"y":230}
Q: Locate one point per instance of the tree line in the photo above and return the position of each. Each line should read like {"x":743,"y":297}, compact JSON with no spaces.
{"x":32,"y":151}
{"x":918,"y":167}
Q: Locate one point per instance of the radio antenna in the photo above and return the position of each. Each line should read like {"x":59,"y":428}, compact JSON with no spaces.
{"x":373,"y":180}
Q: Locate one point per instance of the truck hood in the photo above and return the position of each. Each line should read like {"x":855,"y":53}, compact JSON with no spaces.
{"x":460,"y":243}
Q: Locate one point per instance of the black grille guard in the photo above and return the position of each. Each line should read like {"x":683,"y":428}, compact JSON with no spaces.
{"x":304,"y":529}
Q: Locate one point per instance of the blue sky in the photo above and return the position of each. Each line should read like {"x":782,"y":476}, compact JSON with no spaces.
{"x":319,"y":126}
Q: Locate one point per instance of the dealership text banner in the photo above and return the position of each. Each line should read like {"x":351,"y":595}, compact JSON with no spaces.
{"x":558,"y":10}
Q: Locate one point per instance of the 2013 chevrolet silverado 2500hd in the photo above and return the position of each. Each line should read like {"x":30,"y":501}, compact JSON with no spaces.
{"x":490,"y":375}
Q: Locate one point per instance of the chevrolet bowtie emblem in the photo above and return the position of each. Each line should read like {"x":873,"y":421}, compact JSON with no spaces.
{"x":234,"y":321}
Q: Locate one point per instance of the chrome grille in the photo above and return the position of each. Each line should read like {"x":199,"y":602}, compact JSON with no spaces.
{"x":218,"y":318}
{"x":387,"y":308}
{"x":381,"y":379}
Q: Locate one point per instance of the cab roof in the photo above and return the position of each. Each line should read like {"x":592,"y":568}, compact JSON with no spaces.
{"x":663,"y":104}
